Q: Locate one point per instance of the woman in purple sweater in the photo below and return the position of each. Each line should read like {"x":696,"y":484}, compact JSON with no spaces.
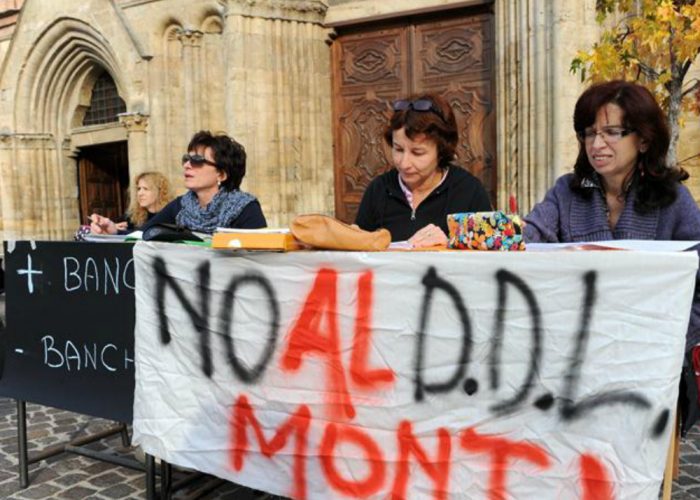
{"x":622,"y":188}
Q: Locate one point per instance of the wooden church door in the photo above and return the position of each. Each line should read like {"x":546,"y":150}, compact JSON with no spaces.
{"x":103,"y":179}
{"x":451,"y":54}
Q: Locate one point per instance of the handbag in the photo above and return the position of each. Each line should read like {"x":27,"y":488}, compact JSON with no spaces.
{"x":169,"y":232}
{"x":485,"y":231}
{"x":324,"y":232}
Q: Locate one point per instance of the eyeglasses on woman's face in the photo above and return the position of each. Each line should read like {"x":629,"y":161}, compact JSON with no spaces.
{"x":610,"y":135}
{"x":196,"y":160}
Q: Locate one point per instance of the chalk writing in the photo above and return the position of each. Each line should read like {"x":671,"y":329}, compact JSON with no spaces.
{"x":29,"y":272}
{"x":89,"y":276}
{"x":86,"y":356}
{"x":70,"y":338}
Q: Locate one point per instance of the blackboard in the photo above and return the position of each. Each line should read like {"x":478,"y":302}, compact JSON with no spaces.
{"x":69,"y":333}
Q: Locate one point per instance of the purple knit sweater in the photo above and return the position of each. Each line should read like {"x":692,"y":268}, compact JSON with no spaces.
{"x":564,"y":216}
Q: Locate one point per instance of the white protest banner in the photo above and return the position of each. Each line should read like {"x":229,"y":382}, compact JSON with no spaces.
{"x":418,"y":375}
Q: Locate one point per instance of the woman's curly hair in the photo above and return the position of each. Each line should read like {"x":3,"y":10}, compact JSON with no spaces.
{"x":157,"y":182}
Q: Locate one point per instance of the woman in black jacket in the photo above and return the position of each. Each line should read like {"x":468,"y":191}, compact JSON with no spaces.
{"x":413,"y":199}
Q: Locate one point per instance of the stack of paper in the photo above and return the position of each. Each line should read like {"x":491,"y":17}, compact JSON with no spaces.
{"x":104,"y":238}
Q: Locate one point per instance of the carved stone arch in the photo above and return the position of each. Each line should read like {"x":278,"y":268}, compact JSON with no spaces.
{"x":53,"y":88}
{"x":63,"y":56}
{"x":172,"y":30}
{"x":83,"y":96}
{"x":212,"y":24}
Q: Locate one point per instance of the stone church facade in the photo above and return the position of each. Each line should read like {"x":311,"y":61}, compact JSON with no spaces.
{"x":93,"y":92}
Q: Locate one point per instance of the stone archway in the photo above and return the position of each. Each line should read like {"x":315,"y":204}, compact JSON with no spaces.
{"x":53,"y":90}
{"x":99,"y":142}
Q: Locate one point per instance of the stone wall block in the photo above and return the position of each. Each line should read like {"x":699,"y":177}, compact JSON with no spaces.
{"x":278,"y":103}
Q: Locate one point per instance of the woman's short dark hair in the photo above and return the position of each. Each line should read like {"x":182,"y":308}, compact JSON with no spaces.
{"x":653,"y":180}
{"x":229,"y":156}
{"x":438,"y":123}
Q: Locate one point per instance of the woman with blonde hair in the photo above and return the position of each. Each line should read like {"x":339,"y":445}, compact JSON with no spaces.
{"x":151,"y":192}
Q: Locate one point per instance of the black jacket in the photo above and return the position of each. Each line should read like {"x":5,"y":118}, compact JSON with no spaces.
{"x":385,"y":205}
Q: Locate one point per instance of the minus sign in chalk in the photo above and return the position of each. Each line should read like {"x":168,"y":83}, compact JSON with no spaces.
{"x":19,"y":351}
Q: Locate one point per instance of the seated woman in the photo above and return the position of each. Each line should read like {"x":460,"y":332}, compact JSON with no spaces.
{"x":621,"y":187}
{"x":214,"y":167}
{"x":412,"y":200}
{"x":150,"y":194}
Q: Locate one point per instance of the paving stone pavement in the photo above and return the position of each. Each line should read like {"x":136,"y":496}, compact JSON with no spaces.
{"x":73,"y":476}
{"x":70,"y":476}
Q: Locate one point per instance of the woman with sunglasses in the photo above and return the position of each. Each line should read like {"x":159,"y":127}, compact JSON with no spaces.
{"x":214,"y":167}
{"x":621,"y":186}
{"x":412,"y":200}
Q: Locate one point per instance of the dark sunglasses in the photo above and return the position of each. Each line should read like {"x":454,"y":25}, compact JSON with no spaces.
{"x":196,"y":160}
{"x":421,"y":105}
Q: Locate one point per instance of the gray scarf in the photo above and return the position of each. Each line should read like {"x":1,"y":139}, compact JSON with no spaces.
{"x":221,"y":211}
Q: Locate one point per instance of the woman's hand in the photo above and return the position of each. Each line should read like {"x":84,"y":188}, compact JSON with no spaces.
{"x":429,"y":236}
{"x":102,"y":225}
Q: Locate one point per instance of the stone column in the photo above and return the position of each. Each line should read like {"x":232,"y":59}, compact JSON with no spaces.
{"x":278,"y":103}
{"x":30,"y":207}
{"x":535,"y":43}
{"x":136,"y":124}
{"x":6,"y":201}
{"x":192,"y":75}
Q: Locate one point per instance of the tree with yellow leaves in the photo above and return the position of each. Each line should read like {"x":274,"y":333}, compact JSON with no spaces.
{"x":654,"y":43}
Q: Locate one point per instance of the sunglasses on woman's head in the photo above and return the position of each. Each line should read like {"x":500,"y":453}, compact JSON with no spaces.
{"x":196,"y":160}
{"x":421,"y":105}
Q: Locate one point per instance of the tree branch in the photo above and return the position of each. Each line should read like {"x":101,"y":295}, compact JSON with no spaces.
{"x":689,"y":158}
{"x":691,"y":89}
{"x":648,"y":71}
{"x":686,"y":65}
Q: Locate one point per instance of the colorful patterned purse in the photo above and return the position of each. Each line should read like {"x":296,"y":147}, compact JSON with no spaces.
{"x":485,"y":231}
